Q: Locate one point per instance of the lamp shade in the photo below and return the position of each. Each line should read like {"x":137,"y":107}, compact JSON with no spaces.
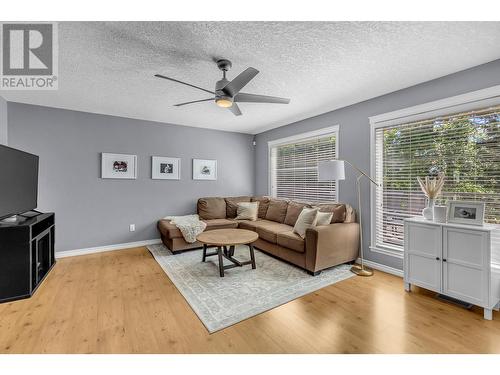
{"x":331,"y":170}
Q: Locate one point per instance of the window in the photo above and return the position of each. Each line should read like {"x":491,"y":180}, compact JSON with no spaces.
{"x":293,"y":166}
{"x":464,"y":146}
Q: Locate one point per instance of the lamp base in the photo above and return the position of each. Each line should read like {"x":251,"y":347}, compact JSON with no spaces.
{"x":361,"y":271}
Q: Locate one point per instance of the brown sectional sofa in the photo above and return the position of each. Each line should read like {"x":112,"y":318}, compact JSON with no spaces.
{"x":323,"y":246}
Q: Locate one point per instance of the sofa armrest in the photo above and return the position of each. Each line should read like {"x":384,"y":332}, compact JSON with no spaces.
{"x":163,"y":226}
{"x":330,"y":245}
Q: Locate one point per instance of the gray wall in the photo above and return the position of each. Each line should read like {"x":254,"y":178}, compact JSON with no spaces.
{"x":355,"y":135}
{"x":3,"y":121}
{"x":91,"y":211}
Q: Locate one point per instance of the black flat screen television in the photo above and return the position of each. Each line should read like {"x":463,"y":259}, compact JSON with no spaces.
{"x":18,"y":181}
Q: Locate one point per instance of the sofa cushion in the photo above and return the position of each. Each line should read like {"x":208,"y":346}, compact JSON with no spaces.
{"x":338,"y":210}
{"x":252,"y":225}
{"x":293,"y":211}
{"x":268,"y":230}
{"x":168,"y":229}
{"x":291,"y":241}
{"x":263,"y":205}
{"x":232,"y":205}
{"x":220,"y":224}
{"x":212,"y":208}
{"x":277,"y":210}
{"x":247,"y":224}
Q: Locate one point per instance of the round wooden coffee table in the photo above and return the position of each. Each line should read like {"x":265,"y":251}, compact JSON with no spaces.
{"x":225,"y":240}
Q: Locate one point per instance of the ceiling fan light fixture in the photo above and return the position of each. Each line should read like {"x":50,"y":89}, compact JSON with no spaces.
{"x":227,"y":94}
{"x":223,"y":102}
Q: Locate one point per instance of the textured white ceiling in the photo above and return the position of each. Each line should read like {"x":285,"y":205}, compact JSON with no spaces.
{"x":108,"y":67}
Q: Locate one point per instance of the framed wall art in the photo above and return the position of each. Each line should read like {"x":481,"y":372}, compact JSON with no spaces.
{"x":204,"y":169}
{"x":165,"y":168}
{"x":121,"y":166}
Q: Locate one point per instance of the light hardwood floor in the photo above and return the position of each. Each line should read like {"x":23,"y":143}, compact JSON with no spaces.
{"x":122,"y":302}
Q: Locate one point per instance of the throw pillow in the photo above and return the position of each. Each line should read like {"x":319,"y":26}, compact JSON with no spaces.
{"x":323,"y":218}
{"x":247,"y":211}
{"x":338,"y":210}
{"x":306,"y":219}
{"x":232,"y":205}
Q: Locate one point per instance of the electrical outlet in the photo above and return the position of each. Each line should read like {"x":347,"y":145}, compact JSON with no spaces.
{"x":131,"y":228}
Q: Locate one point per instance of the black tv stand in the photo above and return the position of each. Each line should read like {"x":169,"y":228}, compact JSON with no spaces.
{"x":26,"y":254}
{"x":30,"y":214}
{"x":20,"y":217}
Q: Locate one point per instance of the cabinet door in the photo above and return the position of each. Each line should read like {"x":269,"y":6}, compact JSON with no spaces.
{"x":423,"y":255}
{"x":466,"y":264}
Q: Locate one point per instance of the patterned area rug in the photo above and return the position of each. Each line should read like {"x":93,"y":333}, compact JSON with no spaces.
{"x":221,"y":302}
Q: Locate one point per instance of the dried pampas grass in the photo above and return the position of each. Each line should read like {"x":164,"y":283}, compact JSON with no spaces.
{"x":431,"y":186}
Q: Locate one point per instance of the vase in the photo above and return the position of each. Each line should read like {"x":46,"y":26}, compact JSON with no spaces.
{"x":428,"y":212}
{"x":439,"y":214}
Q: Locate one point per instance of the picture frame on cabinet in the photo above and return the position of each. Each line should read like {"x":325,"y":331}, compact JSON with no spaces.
{"x":465,"y":212}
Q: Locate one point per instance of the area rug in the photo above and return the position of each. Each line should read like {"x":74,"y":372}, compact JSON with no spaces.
{"x":221,"y":302}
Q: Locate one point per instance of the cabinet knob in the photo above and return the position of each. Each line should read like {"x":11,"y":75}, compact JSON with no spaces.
{"x":444,"y":260}
{"x":437,"y":258}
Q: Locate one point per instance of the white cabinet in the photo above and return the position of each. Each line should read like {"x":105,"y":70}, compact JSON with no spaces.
{"x":452,"y":259}
{"x":466,"y":261}
{"x":424,"y":252}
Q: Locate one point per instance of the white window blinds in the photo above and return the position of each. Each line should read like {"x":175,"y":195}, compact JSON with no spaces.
{"x":294,"y":168}
{"x":464,"y":146}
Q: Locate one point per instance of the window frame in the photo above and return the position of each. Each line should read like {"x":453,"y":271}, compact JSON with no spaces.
{"x":460,"y":103}
{"x":333,"y":130}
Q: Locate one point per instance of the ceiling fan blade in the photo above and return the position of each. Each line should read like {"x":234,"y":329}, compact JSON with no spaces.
{"x":235,"y":109}
{"x":184,"y":83}
{"x":194,"y":101}
{"x":252,"y":98}
{"x":234,"y":87}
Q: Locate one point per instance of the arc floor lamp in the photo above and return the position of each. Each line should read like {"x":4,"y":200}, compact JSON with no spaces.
{"x":334,"y":170}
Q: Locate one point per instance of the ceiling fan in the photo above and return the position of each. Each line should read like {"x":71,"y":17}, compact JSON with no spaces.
{"x":227,"y":93}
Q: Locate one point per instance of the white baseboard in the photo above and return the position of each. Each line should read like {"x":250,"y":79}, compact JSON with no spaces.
{"x":382,"y":267}
{"x":101,"y":249}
